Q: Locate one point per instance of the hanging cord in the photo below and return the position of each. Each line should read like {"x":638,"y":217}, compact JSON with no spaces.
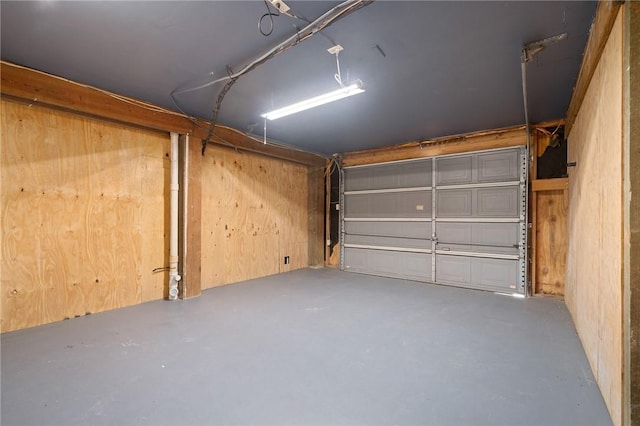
{"x":270,"y":14}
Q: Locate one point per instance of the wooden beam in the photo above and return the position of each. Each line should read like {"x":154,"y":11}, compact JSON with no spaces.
{"x":192,"y":220}
{"x":549,"y":123}
{"x":500,"y":138}
{"x":316,"y":211}
{"x":35,"y":87}
{"x":549,"y":184}
{"x":606,"y":14}
{"x":227,"y":135}
{"x":631,"y":205}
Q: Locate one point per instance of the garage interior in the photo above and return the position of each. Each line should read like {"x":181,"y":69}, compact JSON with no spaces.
{"x":455,"y":242}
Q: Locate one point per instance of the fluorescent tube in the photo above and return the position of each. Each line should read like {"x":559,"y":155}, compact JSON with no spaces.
{"x":343,"y":92}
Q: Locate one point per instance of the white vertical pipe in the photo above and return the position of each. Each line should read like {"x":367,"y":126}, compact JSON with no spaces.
{"x":174,"y":278}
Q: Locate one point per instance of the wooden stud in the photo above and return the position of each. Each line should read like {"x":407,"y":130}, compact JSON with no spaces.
{"x":549,"y":184}
{"x":192,"y":220}
{"x":549,"y":123}
{"x":606,"y":14}
{"x":315,"y":209}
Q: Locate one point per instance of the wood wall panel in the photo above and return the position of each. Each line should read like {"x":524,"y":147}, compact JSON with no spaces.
{"x":594,"y":265}
{"x":551,"y":241}
{"x":77,"y":237}
{"x":632,"y":218}
{"x":254,"y":212}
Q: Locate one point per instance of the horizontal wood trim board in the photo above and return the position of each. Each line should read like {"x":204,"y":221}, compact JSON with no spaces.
{"x":549,"y":184}
{"x":606,"y":14}
{"x":38,"y":88}
{"x":479,"y":141}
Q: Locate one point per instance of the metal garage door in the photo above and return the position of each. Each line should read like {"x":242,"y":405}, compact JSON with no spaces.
{"x":456,"y":220}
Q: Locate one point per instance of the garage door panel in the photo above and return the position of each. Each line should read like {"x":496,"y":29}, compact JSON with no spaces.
{"x":498,"y":167}
{"x":371,"y":240}
{"x":498,"y":202}
{"x":488,"y":274}
{"x":416,"y":266}
{"x":453,"y":270}
{"x":388,"y":176}
{"x":475,"y":236}
{"x":494,"y":234}
{"x":495,"y":273}
{"x":454,"y":170}
{"x":454,"y":233}
{"x":454,"y":203}
{"x":390,"y":229}
{"x":410,"y":204}
{"x":502,"y":234}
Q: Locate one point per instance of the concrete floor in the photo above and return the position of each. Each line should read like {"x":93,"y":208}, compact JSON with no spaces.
{"x":307,"y":347}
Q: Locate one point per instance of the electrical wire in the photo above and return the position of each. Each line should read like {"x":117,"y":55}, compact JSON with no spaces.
{"x":326,"y":19}
{"x":270,"y":15}
{"x":231,"y":76}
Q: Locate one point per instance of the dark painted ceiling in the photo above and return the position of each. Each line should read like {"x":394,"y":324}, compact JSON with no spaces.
{"x":447,"y":68}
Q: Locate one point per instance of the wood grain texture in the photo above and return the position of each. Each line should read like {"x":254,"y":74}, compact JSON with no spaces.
{"x":632,"y":207}
{"x":593,"y":290}
{"x":606,"y":14}
{"x":316,"y":209}
{"x":254,"y":212}
{"x":551,"y":242}
{"x":549,"y":184}
{"x":35,"y":87}
{"x":501,"y":138}
{"x":83,"y":215}
{"x":192,"y":220}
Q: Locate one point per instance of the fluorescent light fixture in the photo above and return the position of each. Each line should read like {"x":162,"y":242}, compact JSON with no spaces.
{"x":343,"y":92}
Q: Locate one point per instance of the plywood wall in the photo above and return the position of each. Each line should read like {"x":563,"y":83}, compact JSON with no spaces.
{"x":551,"y":241}
{"x":83,"y":217}
{"x":594,"y":266}
{"x":254,"y":213}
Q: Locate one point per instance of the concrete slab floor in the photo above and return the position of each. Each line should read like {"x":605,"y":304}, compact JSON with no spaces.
{"x":307,"y":347}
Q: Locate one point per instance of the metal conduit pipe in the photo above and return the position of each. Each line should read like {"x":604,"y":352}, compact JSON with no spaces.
{"x":174,"y":277}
